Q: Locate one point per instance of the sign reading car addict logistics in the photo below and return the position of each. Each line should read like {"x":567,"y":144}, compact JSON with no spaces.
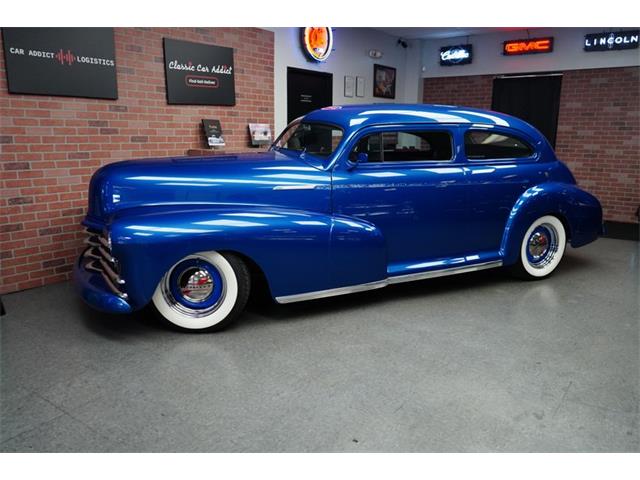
{"x":456,"y":55}
{"x":528,"y":46}
{"x":601,"y":42}
{"x":198,"y":74}
{"x":73,"y":62}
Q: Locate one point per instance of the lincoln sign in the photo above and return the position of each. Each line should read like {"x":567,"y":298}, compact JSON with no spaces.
{"x":601,"y":42}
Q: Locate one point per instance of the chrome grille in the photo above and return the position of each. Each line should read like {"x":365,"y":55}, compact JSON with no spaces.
{"x":102,"y":261}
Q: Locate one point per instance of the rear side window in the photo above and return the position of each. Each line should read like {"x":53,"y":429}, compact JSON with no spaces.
{"x":402,"y":146}
{"x":483,"y":144}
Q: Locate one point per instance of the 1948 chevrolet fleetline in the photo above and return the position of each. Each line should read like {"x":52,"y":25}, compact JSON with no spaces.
{"x":347,"y":199}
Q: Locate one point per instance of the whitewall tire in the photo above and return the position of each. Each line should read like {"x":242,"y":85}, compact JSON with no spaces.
{"x":542,"y":248}
{"x":203,"y":292}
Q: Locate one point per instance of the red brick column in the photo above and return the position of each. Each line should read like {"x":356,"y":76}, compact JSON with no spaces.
{"x":50,"y":146}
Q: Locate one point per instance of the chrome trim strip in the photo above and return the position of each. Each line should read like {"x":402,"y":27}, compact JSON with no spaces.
{"x":331,"y":292}
{"x":105,"y":243}
{"x":296,"y":187}
{"x":105,"y":277}
{"x":112,"y":275}
{"x":89,"y":253}
{"x":388,"y":281}
{"x":444,"y":272}
{"x":90,"y":241}
{"x":106,"y":255}
{"x":92,"y":267}
{"x":113,"y":288}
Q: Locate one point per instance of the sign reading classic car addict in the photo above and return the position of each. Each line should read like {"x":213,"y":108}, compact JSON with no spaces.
{"x":198,"y":74}
{"x":601,"y":42}
{"x":456,"y":55}
{"x":73,"y":62}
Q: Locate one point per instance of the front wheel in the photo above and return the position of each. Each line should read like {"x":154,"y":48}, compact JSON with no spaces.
{"x":541,"y":249}
{"x":203,"y":292}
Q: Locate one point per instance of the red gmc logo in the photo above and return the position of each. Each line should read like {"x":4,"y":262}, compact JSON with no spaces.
{"x":524,"y":47}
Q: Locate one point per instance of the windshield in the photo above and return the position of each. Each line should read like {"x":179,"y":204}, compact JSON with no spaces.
{"x":314,"y":138}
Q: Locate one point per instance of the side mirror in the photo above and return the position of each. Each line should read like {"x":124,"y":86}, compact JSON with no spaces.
{"x":362,"y":157}
{"x":357,"y":158}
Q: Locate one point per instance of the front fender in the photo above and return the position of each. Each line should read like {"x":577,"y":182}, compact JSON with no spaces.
{"x":579,"y":210}
{"x":290,"y":246}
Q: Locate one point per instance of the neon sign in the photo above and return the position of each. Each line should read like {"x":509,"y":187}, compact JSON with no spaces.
{"x":317,"y":42}
{"x":601,"y":42}
{"x":456,"y":55}
{"x":528,"y":46}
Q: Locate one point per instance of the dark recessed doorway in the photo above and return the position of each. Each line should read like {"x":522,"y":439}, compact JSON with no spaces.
{"x":533,"y":98}
{"x":307,"y":90}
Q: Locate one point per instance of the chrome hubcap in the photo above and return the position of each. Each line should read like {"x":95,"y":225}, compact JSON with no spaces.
{"x":195,"y":285}
{"x":538,"y":245}
{"x":542,"y":246}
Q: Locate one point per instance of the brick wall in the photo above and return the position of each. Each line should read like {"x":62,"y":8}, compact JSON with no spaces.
{"x":598,"y":129}
{"x":50,"y":146}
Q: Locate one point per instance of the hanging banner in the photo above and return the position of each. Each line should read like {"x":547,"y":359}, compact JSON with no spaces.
{"x":72,"y":62}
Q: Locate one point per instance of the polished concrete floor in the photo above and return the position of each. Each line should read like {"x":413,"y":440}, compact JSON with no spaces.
{"x":477,"y":362}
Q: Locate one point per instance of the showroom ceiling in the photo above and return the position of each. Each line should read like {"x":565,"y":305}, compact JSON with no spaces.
{"x":442,"y":32}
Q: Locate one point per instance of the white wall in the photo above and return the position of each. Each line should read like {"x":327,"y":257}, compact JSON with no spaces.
{"x":350,"y":57}
{"x":567,"y":54}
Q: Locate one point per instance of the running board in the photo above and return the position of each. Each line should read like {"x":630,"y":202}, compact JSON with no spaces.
{"x":300,"y":297}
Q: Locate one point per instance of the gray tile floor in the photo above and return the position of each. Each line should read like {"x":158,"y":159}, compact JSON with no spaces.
{"x":477,"y":362}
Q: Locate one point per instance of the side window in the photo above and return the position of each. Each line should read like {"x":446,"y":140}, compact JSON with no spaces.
{"x":483,"y":144}
{"x":370,"y":145}
{"x":406,"y":146}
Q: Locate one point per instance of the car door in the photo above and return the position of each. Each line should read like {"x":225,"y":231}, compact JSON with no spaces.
{"x":406,"y":182}
{"x":500,"y":165}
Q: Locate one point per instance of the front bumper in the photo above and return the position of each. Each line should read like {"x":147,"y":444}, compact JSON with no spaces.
{"x":94,"y":287}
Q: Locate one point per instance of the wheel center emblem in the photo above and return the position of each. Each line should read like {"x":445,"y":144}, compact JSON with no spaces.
{"x":196,"y":284}
{"x":538,"y":245}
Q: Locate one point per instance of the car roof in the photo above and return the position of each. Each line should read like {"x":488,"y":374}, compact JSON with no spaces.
{"x":353,"y":117}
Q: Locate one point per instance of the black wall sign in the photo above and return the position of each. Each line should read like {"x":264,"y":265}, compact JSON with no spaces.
{"x":601,"y":42}
{"x":456,"y":55}
{"x":199,"y":74}
{"x":73,"y":62}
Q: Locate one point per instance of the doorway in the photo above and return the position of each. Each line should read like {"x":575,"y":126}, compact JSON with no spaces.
{"x":533,"y":98}
{"x":307,"y":90}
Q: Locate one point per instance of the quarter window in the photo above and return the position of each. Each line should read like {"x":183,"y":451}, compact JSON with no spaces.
{"x":425,"y":146}
{"x":483,"y":144}
{"x":315,"y":138}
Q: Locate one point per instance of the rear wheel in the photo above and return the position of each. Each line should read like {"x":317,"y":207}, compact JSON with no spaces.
{"x":541,"y":249}
{"x":203,"y":292}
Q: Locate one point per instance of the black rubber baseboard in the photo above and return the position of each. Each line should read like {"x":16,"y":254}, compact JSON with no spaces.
{"x":621,"y":230}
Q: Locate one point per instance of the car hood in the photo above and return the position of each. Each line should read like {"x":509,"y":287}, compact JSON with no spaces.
{"x":268,"y":178}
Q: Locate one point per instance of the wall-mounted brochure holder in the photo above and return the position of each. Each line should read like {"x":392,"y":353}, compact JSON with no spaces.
{"x":260,"y":134}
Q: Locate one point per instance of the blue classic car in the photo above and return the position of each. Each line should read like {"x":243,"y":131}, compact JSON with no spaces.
{"x":347,"y":199}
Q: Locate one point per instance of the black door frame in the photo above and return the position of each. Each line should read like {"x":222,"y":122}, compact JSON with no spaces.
{"x":552,"y":141}
{"x":312,"y":72}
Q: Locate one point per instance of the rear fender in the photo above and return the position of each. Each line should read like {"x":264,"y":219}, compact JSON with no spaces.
{"x":580,"y":212}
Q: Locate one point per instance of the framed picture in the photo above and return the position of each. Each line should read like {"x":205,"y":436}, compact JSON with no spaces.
{"x":384,"y":81}
{"x":349,"y":86}
{"x":359,"y":86}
